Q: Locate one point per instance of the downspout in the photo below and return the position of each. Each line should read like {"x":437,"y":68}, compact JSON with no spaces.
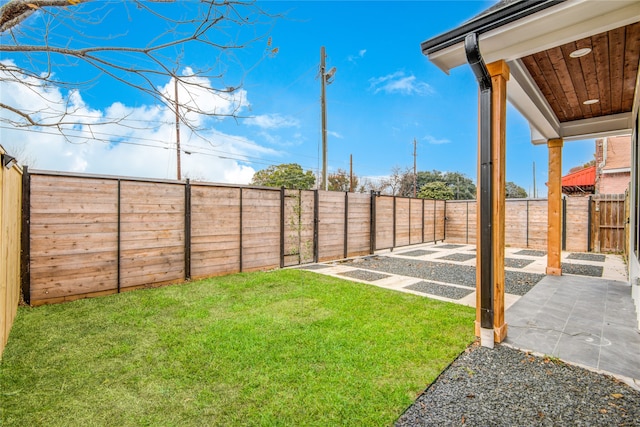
{"x":475,"y":61}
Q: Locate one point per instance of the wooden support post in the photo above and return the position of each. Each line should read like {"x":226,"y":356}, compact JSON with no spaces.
{"x":554,"y":210}
{"x":499,"y":72}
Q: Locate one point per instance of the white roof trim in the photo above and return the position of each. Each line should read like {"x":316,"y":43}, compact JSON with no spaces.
{"x":597,"y":127}
{"x":572,"y":20}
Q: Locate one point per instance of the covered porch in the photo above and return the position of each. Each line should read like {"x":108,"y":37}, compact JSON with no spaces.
{"x":571,"y":69}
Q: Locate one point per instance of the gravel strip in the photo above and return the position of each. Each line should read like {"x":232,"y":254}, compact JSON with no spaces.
{"x":582,"y":269}
{"x":508,"y":387}
{"x":418,"y":252}
{"x":440,"y":290}
{"x":450,"y":246}
{"x":314,"y":267}
{"x":516,"y":282}
{"x":458,"y":257}
{"x":587,"y":257}
{"x":530,"y":252}
{"x":517,"y":262}
{"x":369,"y":276}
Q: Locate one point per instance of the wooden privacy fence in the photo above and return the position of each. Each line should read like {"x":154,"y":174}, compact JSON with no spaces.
{"x":96,"y":235}
{"x":10,"y":207}
{"x":526,"y":223}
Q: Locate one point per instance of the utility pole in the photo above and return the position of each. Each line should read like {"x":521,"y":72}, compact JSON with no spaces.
{"x":179,"y":174}
{"x":325,"y":80}
{"x":350,"y":173}
{"x":415,"y":174}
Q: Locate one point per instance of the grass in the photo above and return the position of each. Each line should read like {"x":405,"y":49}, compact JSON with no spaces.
{"x":288,"y":347}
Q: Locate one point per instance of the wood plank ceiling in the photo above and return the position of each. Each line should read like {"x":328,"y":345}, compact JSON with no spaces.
{"x":608,"y":73}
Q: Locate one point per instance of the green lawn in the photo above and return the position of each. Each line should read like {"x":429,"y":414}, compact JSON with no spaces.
{"x":287,"y":347}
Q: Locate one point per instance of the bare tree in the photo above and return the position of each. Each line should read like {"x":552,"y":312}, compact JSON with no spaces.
{"x":43,"y":42}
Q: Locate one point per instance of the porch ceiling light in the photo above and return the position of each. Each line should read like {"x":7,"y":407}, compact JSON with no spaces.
{"x":591,"y":101}
{"x":580,"y":52}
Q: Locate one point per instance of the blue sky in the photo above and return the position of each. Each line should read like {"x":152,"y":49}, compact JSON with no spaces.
{"x":385,"y":94}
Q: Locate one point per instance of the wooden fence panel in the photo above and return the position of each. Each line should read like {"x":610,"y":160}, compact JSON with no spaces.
{"x":538,"y":224}
{"x":402,"y":221}
{"x":260,"y":229}
{"x":10,"y":228}
{"x":384,"y":222}
{"x":441,"y":210}
{"x":576,"y":224}
{"x":152,"y":233}
{"x":415,"y":221}
{"x":515,"y":223}
{"x":215,"y":231}
{"x":73,"y":238}
{"x":331,"y":206}
{"x":359,"y":225}
{"x":608,"y":214}
{"x":457,"y":224}
{"x":429,"y":220}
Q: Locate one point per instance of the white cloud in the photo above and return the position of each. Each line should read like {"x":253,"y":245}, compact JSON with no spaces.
{"x":141,"y":145}
{"x":433,"y":140}
{"x":273,"y":121}
{"x":354,"y":58}
{"x":399,"y":83}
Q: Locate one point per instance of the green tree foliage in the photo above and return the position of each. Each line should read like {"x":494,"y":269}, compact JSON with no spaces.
{"x":436,"y":190}
{"x":339,"y":181}
{"x":288,"y":175}
{"x":462,"y":187}
{"x":514,"y":191}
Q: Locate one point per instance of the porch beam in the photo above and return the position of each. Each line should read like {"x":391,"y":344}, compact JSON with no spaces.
{"x":554,"y":209}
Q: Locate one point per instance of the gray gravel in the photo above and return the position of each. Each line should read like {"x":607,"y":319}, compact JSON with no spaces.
{"x":369,"y":276}
{"x":516,"y":282}
{"x":449,"y":246}
{"x":587,"y":257}
{"x":517,"y":262}
{"x":530,"y":252}
{"x":507,"y":387}
{"x":440,"y":290}
{"x":582,"y":269}
{"x":458,"y":257}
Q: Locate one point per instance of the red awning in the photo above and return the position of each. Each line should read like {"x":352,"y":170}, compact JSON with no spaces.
{"x":581,"y":181}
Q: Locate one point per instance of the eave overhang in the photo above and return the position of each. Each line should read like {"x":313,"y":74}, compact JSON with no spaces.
{"x":535,"y":27}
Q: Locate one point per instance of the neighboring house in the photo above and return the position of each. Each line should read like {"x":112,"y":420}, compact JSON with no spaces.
{"x":581,"y":182}
{"x":613,"y":162}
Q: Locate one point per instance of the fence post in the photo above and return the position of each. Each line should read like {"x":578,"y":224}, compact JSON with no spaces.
{"x":346,"y":223}
{"x":564,"y":223}
{"x":25,"y":257}
{"x":240,"y":233}
{"x":527,"y":225}
{"x":316,"y":220}
{"x":187,"y":230}
{"x":282,"y":195}
{"x":422,"y":217}
{"x":119,"y":237}
{"x":394,"y":223}
{"x":589,"y":224}
{"x":372,"y":223}
{"x":434,"y":220}
{"x":444,"y":225}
